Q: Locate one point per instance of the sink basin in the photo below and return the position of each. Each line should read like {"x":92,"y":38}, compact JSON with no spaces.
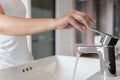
{"x":52,"y":68}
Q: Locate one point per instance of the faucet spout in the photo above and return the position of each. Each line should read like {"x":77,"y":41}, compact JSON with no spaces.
{"x":107,"y":58}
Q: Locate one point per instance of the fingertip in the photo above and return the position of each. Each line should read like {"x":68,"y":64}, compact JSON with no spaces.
{"x":89,"y":27}
{"x":94,"y":21}
{"x":80,"y":29}
{"x":91,"y":18}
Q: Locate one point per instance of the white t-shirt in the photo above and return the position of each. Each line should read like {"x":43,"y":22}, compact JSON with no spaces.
{"x":13,"y":49}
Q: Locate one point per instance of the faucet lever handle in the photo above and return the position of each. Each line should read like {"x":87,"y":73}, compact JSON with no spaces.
{"x":106,"y":39}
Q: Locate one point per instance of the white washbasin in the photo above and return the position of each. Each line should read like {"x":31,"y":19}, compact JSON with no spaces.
{"x":52,"y":68}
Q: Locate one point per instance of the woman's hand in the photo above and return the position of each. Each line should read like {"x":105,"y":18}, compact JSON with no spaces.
{"x":76,"y":19}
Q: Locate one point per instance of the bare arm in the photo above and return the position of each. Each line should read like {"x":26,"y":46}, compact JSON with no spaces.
{"x":21,"y":26}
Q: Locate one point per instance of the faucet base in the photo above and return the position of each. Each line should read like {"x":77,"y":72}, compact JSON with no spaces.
{"x":98,"y":76}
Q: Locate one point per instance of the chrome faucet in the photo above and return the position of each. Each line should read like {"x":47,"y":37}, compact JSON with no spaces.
{"x":106,"y":53}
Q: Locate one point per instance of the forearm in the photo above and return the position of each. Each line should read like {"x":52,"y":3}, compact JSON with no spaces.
{"x":22,"y":26}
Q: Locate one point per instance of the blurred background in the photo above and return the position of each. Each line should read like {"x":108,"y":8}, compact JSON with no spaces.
{"x":65,"y":42}
{"x":43,"y":44}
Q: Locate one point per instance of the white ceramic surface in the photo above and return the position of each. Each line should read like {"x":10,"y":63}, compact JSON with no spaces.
{"x":52,"y":68}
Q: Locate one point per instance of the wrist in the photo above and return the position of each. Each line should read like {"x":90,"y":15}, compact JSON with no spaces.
{"x":51,"y":24}
{"x":55,"y":23}
{"x":58,"y":23}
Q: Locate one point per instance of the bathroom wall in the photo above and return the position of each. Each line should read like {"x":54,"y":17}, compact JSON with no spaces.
{"x":117,"y":22}
{"x":117,"y":18}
